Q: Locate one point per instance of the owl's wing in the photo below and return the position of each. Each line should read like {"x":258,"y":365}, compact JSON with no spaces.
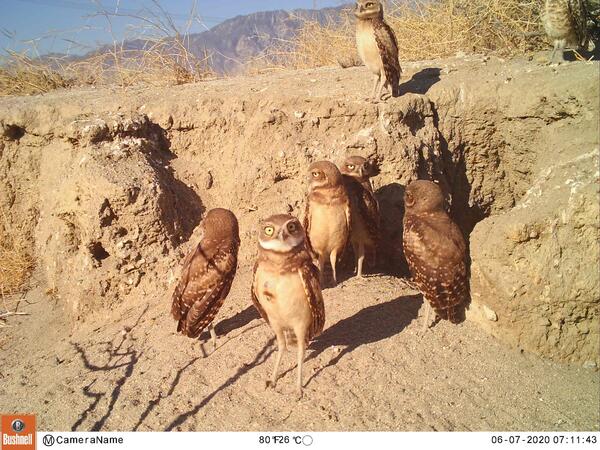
{"x":179,"y":308}
{"x":364,"y":204}
{"x":348,"y":213}
{"x":388,"y":49}
{"x":306,"y":222}
{"x":578,"y":13}
{"x":309,"y":274}
{"x":434,"y":242}
{"x":306,"y":225}
{"x":370,"y":212}
{"x":436,"y":257}
{"x":202,"y":290}
{"x":254,"y":297}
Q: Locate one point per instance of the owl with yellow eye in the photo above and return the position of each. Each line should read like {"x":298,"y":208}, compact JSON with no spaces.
{"x":286,"y":288}
{"x":327,"y":219}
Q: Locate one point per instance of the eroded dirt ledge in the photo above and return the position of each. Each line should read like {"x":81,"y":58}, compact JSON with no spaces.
{"x":110,"y":184}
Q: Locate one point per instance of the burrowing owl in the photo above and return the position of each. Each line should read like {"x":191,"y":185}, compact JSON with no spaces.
{"x":436,"y":252}
{"x":356,"y":171}
{"x":327,"y":219}
{"x":565,"y":22}
{"x":207,"y":274}
{"x":377,"y":47}
{"x":286,"y":289}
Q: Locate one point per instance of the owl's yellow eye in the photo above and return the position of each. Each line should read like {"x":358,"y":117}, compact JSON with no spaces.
{"x":351,"y":166}
{"x":315,"y":174}
{"x":292,"y":227}
{"x":269,"y":231}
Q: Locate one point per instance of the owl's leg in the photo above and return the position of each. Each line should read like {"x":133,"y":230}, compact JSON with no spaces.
{"x":558,"y":55}
{"x":427,"y":313}
{"x":376,"y":79}
{"x":333,"y":261}
{"x":213,"y":336}
{"x":382,"y":84}
{"x":322,"y":268}
{"x":280,"y":349}
{"x":301,"y":351}
{"x":360,"y":255}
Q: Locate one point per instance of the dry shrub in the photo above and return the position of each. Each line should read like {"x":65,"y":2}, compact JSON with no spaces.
{"x":162,"y":57}
{"x":439,"y":29}
{"x":16,"y":262}
{"x":425,"y":30}
{"x":22,"y":75}
{"x":315,"y":44}
{"x":154,"y":65}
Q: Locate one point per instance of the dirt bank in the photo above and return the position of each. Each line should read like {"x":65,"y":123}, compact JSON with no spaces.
{"x":108,"y":186}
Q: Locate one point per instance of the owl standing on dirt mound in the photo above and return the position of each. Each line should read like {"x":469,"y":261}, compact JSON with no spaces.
{"x":565,"y":22}
{"x":207,"y":274}
{"x":356,"y":172}
{"x":377,"y":47}
{"x":436,"y":252}
{"x":327,"y":219}
{"x":286,"y":289}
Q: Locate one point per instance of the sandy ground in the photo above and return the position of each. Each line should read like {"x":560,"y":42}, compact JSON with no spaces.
{"x":371,"y":369}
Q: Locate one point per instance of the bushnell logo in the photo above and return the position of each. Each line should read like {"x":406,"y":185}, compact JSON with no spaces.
{"x":18,"y":425}
{"x":17,"y":432}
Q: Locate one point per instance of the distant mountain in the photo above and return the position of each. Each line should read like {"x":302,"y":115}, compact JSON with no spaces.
{"x":235,"y":41}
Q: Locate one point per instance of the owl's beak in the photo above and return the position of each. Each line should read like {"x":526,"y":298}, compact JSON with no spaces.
{"x":282,"y":236}
{"x":361,"y":172}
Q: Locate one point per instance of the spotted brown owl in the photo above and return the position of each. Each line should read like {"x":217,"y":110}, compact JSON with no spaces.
{"x":565,"y":22}
{"x":436,"y":252}
{"x":377,"y":47}
{"x":286,"y":288}
{"x":364,"y":236}
{"x":207,"y":274}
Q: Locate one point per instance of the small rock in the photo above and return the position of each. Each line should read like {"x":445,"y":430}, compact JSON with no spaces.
{"x":590,"y":365}
{"x":299,"y":114}
{"x":490,"y":314}
{"x":208,"y":180}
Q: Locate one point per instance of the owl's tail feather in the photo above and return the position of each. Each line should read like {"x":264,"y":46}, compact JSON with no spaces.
{"x":455,"y":314}
{"x":396,"y":86}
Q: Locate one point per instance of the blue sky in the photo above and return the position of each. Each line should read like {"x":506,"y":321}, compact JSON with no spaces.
{"x":69,"y":25}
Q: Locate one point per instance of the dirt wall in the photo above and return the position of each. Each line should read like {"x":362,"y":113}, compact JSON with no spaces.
{"x":110,"y":184}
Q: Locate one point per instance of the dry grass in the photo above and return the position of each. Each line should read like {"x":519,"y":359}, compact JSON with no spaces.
{"x":425,"y":30}
{"x":163,"y":57}
{"x":16,"y":264}
{"x":22,"y":75}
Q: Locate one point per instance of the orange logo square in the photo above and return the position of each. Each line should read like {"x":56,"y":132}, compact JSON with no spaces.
{"x":17,"y":432}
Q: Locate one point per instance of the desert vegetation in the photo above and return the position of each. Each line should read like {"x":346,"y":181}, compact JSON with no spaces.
{"x":425,"y":30}
{"x":163,"y":57}
{"x":16,"y":265}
